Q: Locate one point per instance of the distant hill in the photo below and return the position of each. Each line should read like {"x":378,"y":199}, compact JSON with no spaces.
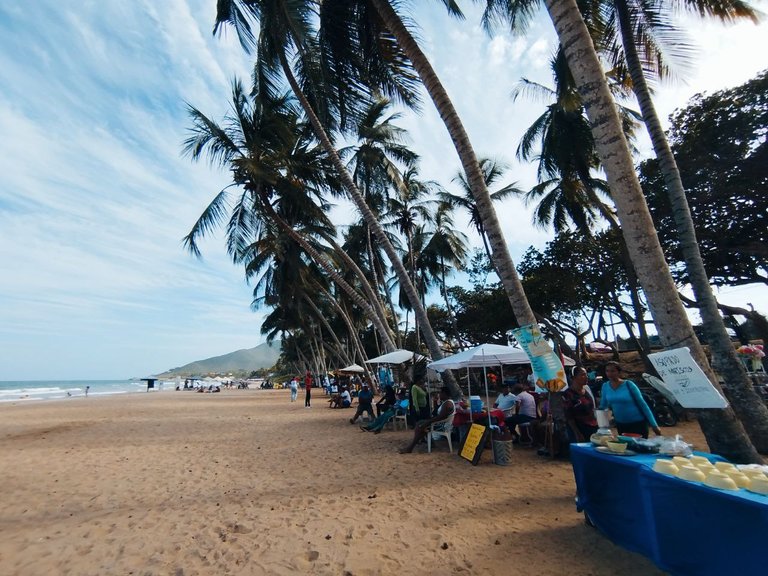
{"x":247,"y":360}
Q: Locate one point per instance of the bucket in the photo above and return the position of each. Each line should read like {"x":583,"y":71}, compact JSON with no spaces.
{"x":476,"y":403}
{"x":603,"y":418}
{"x":502,"y":452}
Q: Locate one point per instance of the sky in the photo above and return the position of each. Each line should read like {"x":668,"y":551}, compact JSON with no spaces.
{"x":95,"y":195}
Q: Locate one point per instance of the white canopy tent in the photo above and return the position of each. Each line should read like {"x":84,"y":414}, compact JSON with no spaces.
{"x":485,"y":355}
{"x":396,"y":357}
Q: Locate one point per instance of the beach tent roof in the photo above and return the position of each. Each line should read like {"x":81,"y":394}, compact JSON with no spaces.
{"x":352,"y":368}
{"x":396,"y":357}
{"x":485,"y":355}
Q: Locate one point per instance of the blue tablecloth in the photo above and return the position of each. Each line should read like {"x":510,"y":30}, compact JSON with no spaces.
{"x":685,"y":527}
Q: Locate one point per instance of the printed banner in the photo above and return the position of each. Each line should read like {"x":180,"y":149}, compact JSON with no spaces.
{"x":548,"y":372}
{"x":685,"y":380}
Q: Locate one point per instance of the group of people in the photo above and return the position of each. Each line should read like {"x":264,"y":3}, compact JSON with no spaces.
{"x":518,"y":401}
{"x":631,"y":412}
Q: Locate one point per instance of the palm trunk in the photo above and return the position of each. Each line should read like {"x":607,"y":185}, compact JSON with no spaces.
{"x":501,"y":259}
{"x":321,"y":317}
{"x":335,"y":276}
{"x":376,"y":303}
{"x":377,"y":281}
{"x":356,"y":344}
{"x":629,"y":268}
{"x":432,"y":343}
{"x":749,"y":407}
{"x":448,"y":307}
{"x":724,"y":433}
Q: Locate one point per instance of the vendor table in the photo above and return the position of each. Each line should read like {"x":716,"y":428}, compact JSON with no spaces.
{"x":461,"y":418}
{"x":686,"y":528}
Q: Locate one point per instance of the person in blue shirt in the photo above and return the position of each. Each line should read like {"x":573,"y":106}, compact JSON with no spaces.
{"x":623,"y":397}
{"x":364,"y":403}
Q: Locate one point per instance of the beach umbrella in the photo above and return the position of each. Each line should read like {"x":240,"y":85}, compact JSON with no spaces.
{"x":353,"y":368}
{"x":396,"y":357}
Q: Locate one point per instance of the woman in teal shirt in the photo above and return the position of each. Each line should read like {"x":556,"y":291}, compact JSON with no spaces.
{"x":623,"y":397}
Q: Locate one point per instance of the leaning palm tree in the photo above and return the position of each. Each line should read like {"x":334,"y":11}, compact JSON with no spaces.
{"x":492,"y":170}
{"x":568,"y":192}
{"x":285,"y":32}
{"x":356,"y":33}
{"x":446,"y":249}
{"x":725,"y":433}
{"x":407,"y":210}
{"x":375,"y":161}
{"x":645,"y":29}
{"x":278,"y":170}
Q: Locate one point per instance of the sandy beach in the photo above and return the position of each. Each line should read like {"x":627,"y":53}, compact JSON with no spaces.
{"x":245,"y":482}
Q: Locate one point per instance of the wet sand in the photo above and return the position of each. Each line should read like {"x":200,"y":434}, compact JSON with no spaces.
{"x":245,"y":482}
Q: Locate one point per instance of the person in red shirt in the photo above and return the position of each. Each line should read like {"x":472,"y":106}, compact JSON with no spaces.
{"x":308,"y":388}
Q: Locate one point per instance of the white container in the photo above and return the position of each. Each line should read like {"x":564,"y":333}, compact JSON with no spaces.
{"x":603,"y":418}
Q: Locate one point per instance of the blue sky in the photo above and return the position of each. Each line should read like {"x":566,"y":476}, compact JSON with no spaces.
{"x":95,"y":196}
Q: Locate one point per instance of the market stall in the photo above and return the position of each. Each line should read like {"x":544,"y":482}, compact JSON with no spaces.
{"x":685,"y":527}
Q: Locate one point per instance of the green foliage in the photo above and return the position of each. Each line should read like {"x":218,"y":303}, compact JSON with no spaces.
{"x":482,"y":315}
{"x":720,"y":145}
{"x":575,"y":272}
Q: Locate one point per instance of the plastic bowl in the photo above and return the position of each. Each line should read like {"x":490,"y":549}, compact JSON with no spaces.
{"x":618,"y":447}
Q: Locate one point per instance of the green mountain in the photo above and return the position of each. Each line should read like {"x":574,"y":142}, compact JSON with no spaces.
{"x":238,"y":362}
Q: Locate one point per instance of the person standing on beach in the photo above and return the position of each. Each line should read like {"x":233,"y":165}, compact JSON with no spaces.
{"x":87,"y":388}
{"x":294,"y":385}
{"x":623,"y":397}
{"x":308,"y":388}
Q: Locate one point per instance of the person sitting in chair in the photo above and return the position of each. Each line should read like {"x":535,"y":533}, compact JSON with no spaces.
{"x":364,"y":403}
{"x":506,"y":401}
{"x":346,"y":398}
{"x":446,"y":408}
{"x":525,"y":410}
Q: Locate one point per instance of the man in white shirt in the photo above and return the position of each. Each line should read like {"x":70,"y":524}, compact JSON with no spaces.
{"x":346,"y":399}
{"x":506,"y":401}
{"x":525,"y":410}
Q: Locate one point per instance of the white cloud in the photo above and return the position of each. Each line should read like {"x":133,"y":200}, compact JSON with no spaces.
{"x":95,"y":197}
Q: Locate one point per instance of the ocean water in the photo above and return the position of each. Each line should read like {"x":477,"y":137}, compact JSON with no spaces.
{"x":31,"y":390}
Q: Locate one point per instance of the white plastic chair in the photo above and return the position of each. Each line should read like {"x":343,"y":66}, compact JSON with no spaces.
{"x":442,"y":428}
{"x":401,"y":414}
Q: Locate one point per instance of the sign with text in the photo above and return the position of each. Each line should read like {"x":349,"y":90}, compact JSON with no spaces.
{"x":685,"y":380}
{"x":474,"y":443}
{"x":548,"y":371}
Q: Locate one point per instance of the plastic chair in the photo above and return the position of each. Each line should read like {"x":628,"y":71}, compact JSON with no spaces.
{"x":442,"y":428}
{"x":526,"y":434}
{"x":401,"y":414}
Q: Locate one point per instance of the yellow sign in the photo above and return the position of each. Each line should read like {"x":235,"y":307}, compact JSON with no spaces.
{"x":474,"y":443}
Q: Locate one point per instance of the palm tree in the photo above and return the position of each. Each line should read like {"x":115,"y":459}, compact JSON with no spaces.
{"x":272,"y":161}
{"x":360,"y":27}
{"x":647,"y":24}
{"x":407,"y":210}
{"x":374,"y":160}
{"x":445,"y":249}
{"x":492,"y":171}
{"x":567,"y":190}
{"x":725,"y":434}
{"x":285,"y":30}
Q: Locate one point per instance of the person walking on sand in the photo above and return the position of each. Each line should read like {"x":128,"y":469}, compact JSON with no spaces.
{"x":87,"y":388}
{"x":294,"y":386}
{"x":308,"y":388}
